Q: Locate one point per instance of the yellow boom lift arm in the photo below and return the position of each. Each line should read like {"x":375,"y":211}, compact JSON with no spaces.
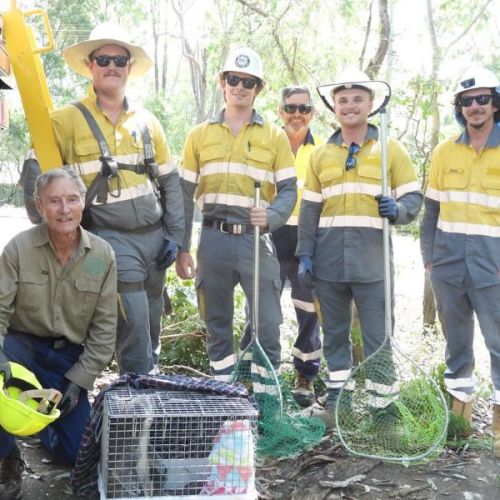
{"x":24,"y":55}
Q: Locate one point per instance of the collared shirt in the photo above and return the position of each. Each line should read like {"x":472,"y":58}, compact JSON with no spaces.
{"x":339,"y":224}
{"x":221,"y":169}
{"x":460,"y":230}
{"x":78,"y":301}
{"x":132,"y":202}
{"x":301,"y":163}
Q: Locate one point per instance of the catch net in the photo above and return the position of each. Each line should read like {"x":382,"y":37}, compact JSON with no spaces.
{"x":390,"y":409}
{"x":283,"y":432}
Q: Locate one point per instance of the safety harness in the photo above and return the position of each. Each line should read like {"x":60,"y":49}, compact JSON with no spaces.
{"x":99,"y":188}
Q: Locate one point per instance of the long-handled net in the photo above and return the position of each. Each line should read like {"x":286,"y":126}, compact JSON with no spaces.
{"x":281,"y":433}
{"x":253,"y":368}
{"x":390,"y":408}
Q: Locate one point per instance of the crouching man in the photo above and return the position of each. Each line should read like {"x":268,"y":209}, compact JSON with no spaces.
{"x":57,"y":316}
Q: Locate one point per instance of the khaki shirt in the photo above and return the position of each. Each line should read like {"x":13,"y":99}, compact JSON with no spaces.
{"x":40,"y":297}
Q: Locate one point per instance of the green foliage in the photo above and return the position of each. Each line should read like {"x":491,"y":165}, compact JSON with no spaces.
{"x":183,"y":332}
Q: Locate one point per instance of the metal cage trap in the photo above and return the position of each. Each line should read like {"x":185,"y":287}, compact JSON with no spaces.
{"x":175,"y":444}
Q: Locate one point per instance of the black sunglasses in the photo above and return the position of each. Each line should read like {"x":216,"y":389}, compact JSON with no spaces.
{"x":304,"y":109}
{"x":481,"y":99}
{"x":351,"y":161}
{"x":248,"y":83}
{"x":103,"y":61}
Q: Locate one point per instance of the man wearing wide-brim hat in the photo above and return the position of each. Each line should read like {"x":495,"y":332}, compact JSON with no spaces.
{"x":134,"y":200}
{"x":340,"y":244}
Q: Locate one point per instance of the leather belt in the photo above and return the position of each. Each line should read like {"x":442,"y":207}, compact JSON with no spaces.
{"x":225,"y":227}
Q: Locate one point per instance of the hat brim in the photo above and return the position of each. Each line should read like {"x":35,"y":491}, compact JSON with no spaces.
{"x":76,"y":56}
{"x":381,"y":93}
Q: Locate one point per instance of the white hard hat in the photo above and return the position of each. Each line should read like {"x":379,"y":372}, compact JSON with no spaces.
{"x":244,"y":60}
{"x":476,"y":78}
{"x":354,"y":78}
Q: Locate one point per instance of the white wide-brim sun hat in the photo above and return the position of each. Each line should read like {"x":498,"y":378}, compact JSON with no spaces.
{"x":354,"y":78}
{"x":77,"y":55}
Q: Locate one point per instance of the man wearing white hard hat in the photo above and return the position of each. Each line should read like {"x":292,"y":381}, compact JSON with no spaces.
{"x":223,"y":158}
{"x":340,"y":227}
{"x":460,"y":241}
{"x":134,"y":199}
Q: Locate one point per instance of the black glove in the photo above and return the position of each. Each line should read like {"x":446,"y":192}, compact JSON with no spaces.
{"x":70,"y":398}
{"x":387,"y":207}
{"x":167,"y":254}
{"x":5,"y":367}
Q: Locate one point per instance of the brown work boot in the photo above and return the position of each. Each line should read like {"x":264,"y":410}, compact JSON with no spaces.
{"x":496,"y":430}
{"x":460,"y":424}
{"x":11,"y":475}
{"x":303,"y":392}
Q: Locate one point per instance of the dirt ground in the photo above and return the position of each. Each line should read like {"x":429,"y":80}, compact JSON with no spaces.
{"x":328,"y":472}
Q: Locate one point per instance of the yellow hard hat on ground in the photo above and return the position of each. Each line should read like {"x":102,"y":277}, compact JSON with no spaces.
{"x":25,"y":407}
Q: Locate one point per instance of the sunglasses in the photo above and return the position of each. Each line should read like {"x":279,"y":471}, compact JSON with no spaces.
{"x":304,"y":109}
{"x":248,"y":83}
{"x":351,"y":161}
{"x":103,"y":61}
{"x":481,"y":99}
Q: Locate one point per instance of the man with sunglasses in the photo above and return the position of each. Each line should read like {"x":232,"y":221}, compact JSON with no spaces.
{"x":296,"y":111}
{"x":460,"y":241}
{"x":340,"y":243}
{"x":134,"y":199}
{"x":223,"y":158}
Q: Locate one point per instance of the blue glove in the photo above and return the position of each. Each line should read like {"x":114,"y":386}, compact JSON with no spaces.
{"x":70,"y":398}
{"x":306,"y":273}
{"x":167,"y":254}
{"x":5,"y":367}
{"x":387,"y":207}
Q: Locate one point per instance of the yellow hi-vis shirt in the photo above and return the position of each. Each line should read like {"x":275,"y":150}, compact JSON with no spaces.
{"x":460,"y":230}
{"x":301,"y":163}
{"x":339,"y":223}
{"x":131,"y":203}
{"x":221,"y":169}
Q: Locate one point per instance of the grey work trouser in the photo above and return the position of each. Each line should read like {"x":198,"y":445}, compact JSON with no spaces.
{"x":457,"y":305}
{"x":335,"y":313}
{"x":140,"y":300}
{"x":224,"y":260}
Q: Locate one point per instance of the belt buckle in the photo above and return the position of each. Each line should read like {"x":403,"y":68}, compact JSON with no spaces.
{"x":59,"y":344}
{"x":237,"y":228}
{"x":222,"y":227}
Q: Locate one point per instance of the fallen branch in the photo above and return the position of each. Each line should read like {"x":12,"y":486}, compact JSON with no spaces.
{"x":171,"y":368}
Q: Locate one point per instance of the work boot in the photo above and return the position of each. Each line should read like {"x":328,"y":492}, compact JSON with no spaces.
{"x":460,"y":424}
{"x":327,"y":412}
{"x":496,"y":430}
{"x":303,"y":392}
{"x":11,"y":476}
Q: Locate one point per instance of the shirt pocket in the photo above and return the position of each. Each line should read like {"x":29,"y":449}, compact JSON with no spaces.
{"x":260,"y":157}
{"x":330,"y":174}
{"x":87,"y":151}
{"x":211,"y":154}
{"x":370,"y":179}
{"x":87,"y":294}
{"x":455,"y":178}
{"x":33,"y":290}
{"x":491,"y":180}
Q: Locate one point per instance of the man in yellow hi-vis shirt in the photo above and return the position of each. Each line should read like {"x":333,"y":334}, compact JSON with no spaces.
{"x":296,"y":110}
{"x":223,"y":158}
{"x":134,"y":199}
{"x":340,"y":229}
{"x":460,"y":240}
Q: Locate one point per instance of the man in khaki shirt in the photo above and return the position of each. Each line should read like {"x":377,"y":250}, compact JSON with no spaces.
{"x":57,"y":315}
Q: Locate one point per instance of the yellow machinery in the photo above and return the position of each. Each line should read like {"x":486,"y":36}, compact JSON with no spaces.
{"x":24,"y":55}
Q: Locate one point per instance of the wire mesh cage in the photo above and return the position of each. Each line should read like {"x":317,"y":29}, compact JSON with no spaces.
{"x":175,"y":444}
